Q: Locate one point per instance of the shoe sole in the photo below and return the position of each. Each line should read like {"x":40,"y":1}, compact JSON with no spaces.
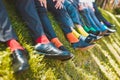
{"x":22,"y":71}
{"x":55,"y":57}
{"x":85,"y":48}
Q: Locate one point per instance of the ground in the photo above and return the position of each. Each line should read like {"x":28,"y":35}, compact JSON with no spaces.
{"x":100,"y":63}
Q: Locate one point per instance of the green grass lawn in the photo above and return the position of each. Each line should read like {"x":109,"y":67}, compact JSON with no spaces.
{"x":100,"y":63}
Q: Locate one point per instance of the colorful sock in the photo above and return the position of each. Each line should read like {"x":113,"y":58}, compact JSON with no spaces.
{"x":76,"y":33}
{"x":56,"y":42}
{"x":13,"y":44}
{"x":92,"y":29}
{"x":86,"y":28}
{"x":82,"y":31}
{"x":42,"y":39}
{"x":72,"y":38}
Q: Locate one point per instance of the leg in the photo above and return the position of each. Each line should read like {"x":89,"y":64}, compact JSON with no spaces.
{"x":7,"y":34}
{"x":63,"y":17}
{"x":30,"y":16}
{"x":47,"y":26}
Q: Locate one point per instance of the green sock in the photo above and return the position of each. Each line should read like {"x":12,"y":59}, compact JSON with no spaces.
{"x":86,"y":28}
{"x":92,"y":29}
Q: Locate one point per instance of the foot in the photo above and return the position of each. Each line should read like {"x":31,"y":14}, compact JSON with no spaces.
{"x":95,"y":37}
{"x":82,"y":45}
{"x":50,"y":51}
{"x":110,"y":30}
{"x":20,"y":62}
{"x":97,"y":33}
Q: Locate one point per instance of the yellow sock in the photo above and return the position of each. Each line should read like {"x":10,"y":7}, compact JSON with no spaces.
{"x":82,"y":31}
{"x":76,"y":33}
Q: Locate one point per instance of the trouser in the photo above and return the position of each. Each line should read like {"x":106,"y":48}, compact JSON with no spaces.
{"x":88,"y":19}
{"x":97,"y":22}
{"x":73,"y":12}
{"x":6,"y":30}
{"x":27,"y":10}
{"x":98,"y":14}
{"x":62,"y":16}
{"x":47,"y":26}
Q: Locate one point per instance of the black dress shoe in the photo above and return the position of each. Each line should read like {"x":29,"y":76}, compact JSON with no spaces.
{"x":50,"y":51}
{"x":95,"y":37}
{"x":82,"y":45}
{"x":97,"y":33}
{"x":87,"y":39}
{"x":19,"y":62}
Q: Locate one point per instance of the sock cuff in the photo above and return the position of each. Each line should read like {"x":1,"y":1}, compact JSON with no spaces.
{"x":13,"y":44}
{"x":72,"y":38}
{"x":42,"y":39}
{"x":56,"y":42}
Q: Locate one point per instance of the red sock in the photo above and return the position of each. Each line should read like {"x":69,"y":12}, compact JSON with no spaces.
{"x":42,"y":39}
{"x":13,"y":44}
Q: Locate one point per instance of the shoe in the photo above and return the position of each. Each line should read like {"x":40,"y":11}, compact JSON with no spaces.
{"x":110,"y":30}
{"x":104,"y":32}
{"x":107,"y":34}
{"x":97,"y":33}
{"x":62,"y":48}
{"x":87,"y":39}
{"x":82,"y":45}
{"x":95,"y":37}
{"x":19,"y":62}
{"x":50,"y":51}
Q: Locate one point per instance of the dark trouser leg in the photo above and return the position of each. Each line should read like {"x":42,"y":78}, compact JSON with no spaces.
{"x":98,"y":13}
{"x":100,"y":16}
{"x":29,"y":14}
{"x":6,"y":30}
{"x":62,"y":16}
{"x":47,"y":26}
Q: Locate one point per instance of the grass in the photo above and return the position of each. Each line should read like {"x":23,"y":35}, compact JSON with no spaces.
{"x":99,"y":63}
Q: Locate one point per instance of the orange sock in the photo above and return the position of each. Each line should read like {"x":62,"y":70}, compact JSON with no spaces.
{"x":42,"y":39}
{"x":72,"y":38}
{"x":56,"y":42}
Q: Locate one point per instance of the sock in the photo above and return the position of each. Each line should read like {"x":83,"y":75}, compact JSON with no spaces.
{"x":76,"y":33}
{"x":72,"y":38}
{"x":82,"y":31}
{"x":92,"y":29}
{"x":42,"y":39}
{"x":86,"y":28}
{"x":13,"y":44}
{"x":56,"y":42}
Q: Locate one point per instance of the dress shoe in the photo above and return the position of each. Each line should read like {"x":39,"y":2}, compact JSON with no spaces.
{"x":107,"y":34}
{"x":87,"y":39}
{"x":95,"y":37}
{"x":62,"y":48}
{"x":90,"y":38}
{"x":97,"y":33}
{"x":82,"y":45}
{"x":19,"y":62}
{"x":50,"y":51}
